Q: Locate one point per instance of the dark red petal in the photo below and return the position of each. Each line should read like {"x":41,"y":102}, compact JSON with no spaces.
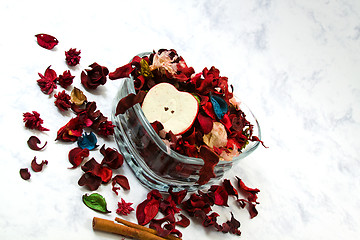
{"x":25,"y":174}
{"x":46,"y":41}
{"x":184,"y":222}
{"x":38,"y":167}
{"x":206,"y":123}
{"x":243,"y":187}
{"x":121,"y":72}
{"x":122,"y":181}
{"x":252,"y":210}
{"x":89,"y":180}
{"x":210,"y":160}
{"x":129,"y":101}
{"x":255,"y":138}
{"x":97,"y":169}
{"x":33,"y":143}
{"x":147,"y":210}
{"x":112,"y":157}
{"x":220,"y":195}
{"x":229,"y":188}
{"x":77,"y":155}
{"x":177,"y":197}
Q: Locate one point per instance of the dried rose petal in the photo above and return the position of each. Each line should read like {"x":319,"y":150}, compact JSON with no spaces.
{"x":38,"y":167}
{"x":251,"y":191}
{"x":92,"y":78}
{"x":112,"y":157}
{"x":97,"y":169}
{"x":77,"y":96}
{"x":229,"y":188}
{"x":147,"y":210}
{"x":106,"y":129}
{"x":25,"y":174}
{"x":89,"y":180}
{"x":46,"y":41}
{"x":71,"y":131}
{"x":66,"y":79}
{"x":124,"y":208}
{"x":206,"y":123}
{"x":72,"y":57}
{"x":62,"y":101}
{"x":129,"y":101}
{"x":77,"y":155}
{"x":220,"y":195}
{"x":177,"y":197}
{"x":33,"y":143}
{"x":184,"y":222}
{"x":33,"y":121}
{"x":47,"y":82}
{"x":122,"y":181}
{"x":210,"y":160}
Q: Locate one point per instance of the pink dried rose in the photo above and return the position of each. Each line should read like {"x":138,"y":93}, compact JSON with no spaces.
{"x":33,"y":121}
{"x":66,"y":79}
{"x":92,"y":78}
{"x":72,"y":57}
{"x":62,"y":101}
{"x":46,"y":41}
{"x":47,"y":82}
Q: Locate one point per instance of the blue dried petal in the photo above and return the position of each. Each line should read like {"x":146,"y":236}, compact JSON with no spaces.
{"x":87,"y":141}
{"x":219,"y":105}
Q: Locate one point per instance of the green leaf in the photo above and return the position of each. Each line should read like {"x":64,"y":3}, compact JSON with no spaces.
{"x":96,"y":202}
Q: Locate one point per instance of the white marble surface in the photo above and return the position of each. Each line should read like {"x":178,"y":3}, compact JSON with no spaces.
{"x":296,"y":64}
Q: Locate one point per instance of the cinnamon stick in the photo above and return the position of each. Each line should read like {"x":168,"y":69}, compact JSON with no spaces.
{"x":137,"y":226}
{"x":112,"y":227}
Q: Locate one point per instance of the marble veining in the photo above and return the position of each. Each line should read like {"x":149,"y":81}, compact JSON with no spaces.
{"x":294,"y":63}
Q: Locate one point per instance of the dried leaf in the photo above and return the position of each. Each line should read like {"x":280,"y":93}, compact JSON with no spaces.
{"x":96,"y":202}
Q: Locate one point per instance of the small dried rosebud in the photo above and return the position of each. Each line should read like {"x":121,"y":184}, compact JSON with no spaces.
{"x":72,"y":57}
{"x":47,"y":82}
{"x":66,"y":79}
{"x":62,"y":101}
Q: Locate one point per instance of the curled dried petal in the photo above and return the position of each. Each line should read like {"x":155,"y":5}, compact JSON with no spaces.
{"x":129,"y":101}
{"x":210,"y":160}
{"x":147,"y":210}
{"x":46,"y":41}
{"x":25,"y":174}
{"x":112,"y":157}
{"x":77,"y":97}
{"x":77,"y":155}
{"x":122,"y":181}
{"x":38,"y":167}
{"x":90,"y":181}
{"x":33,"y":143}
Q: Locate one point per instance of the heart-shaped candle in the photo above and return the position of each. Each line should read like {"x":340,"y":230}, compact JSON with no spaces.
{"x":176,"y":110}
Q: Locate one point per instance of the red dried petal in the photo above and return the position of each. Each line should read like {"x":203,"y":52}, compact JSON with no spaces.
{"x":129,"y":101}
{"x":66,"y":79}
{"x":210,"y":160}
{"x":72,"y":57}
{"x":77,"y":155}
{"x":251,"y":191}
{"x":97,"y":169}
{"x":121,"y":72}
{"x":124,"y":208}
{"x":46,"y":41}
{"x":252,"y":210}
{"x":220,"y":195}
{"x":122,"y":181}
{"x":62,"y":101}
{"x":184,"y":222}
{"x":33,"y":121}
{"x":112,"y":157}
{"x":33,"y":143}
{"x":25,"y":174}
{"x":47,"y":82}
{"x":206,"y":123}
{"x":106,"y":129}
{"x":38,"y":167}
{"x":71,"y":131}
{"x":147,"y":210}
{"x":89,"y":180}
{"x":229,"y":188}
{"x":177,"y":197}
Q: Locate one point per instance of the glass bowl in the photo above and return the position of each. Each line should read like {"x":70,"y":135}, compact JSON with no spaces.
{"x":156,"y":165}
